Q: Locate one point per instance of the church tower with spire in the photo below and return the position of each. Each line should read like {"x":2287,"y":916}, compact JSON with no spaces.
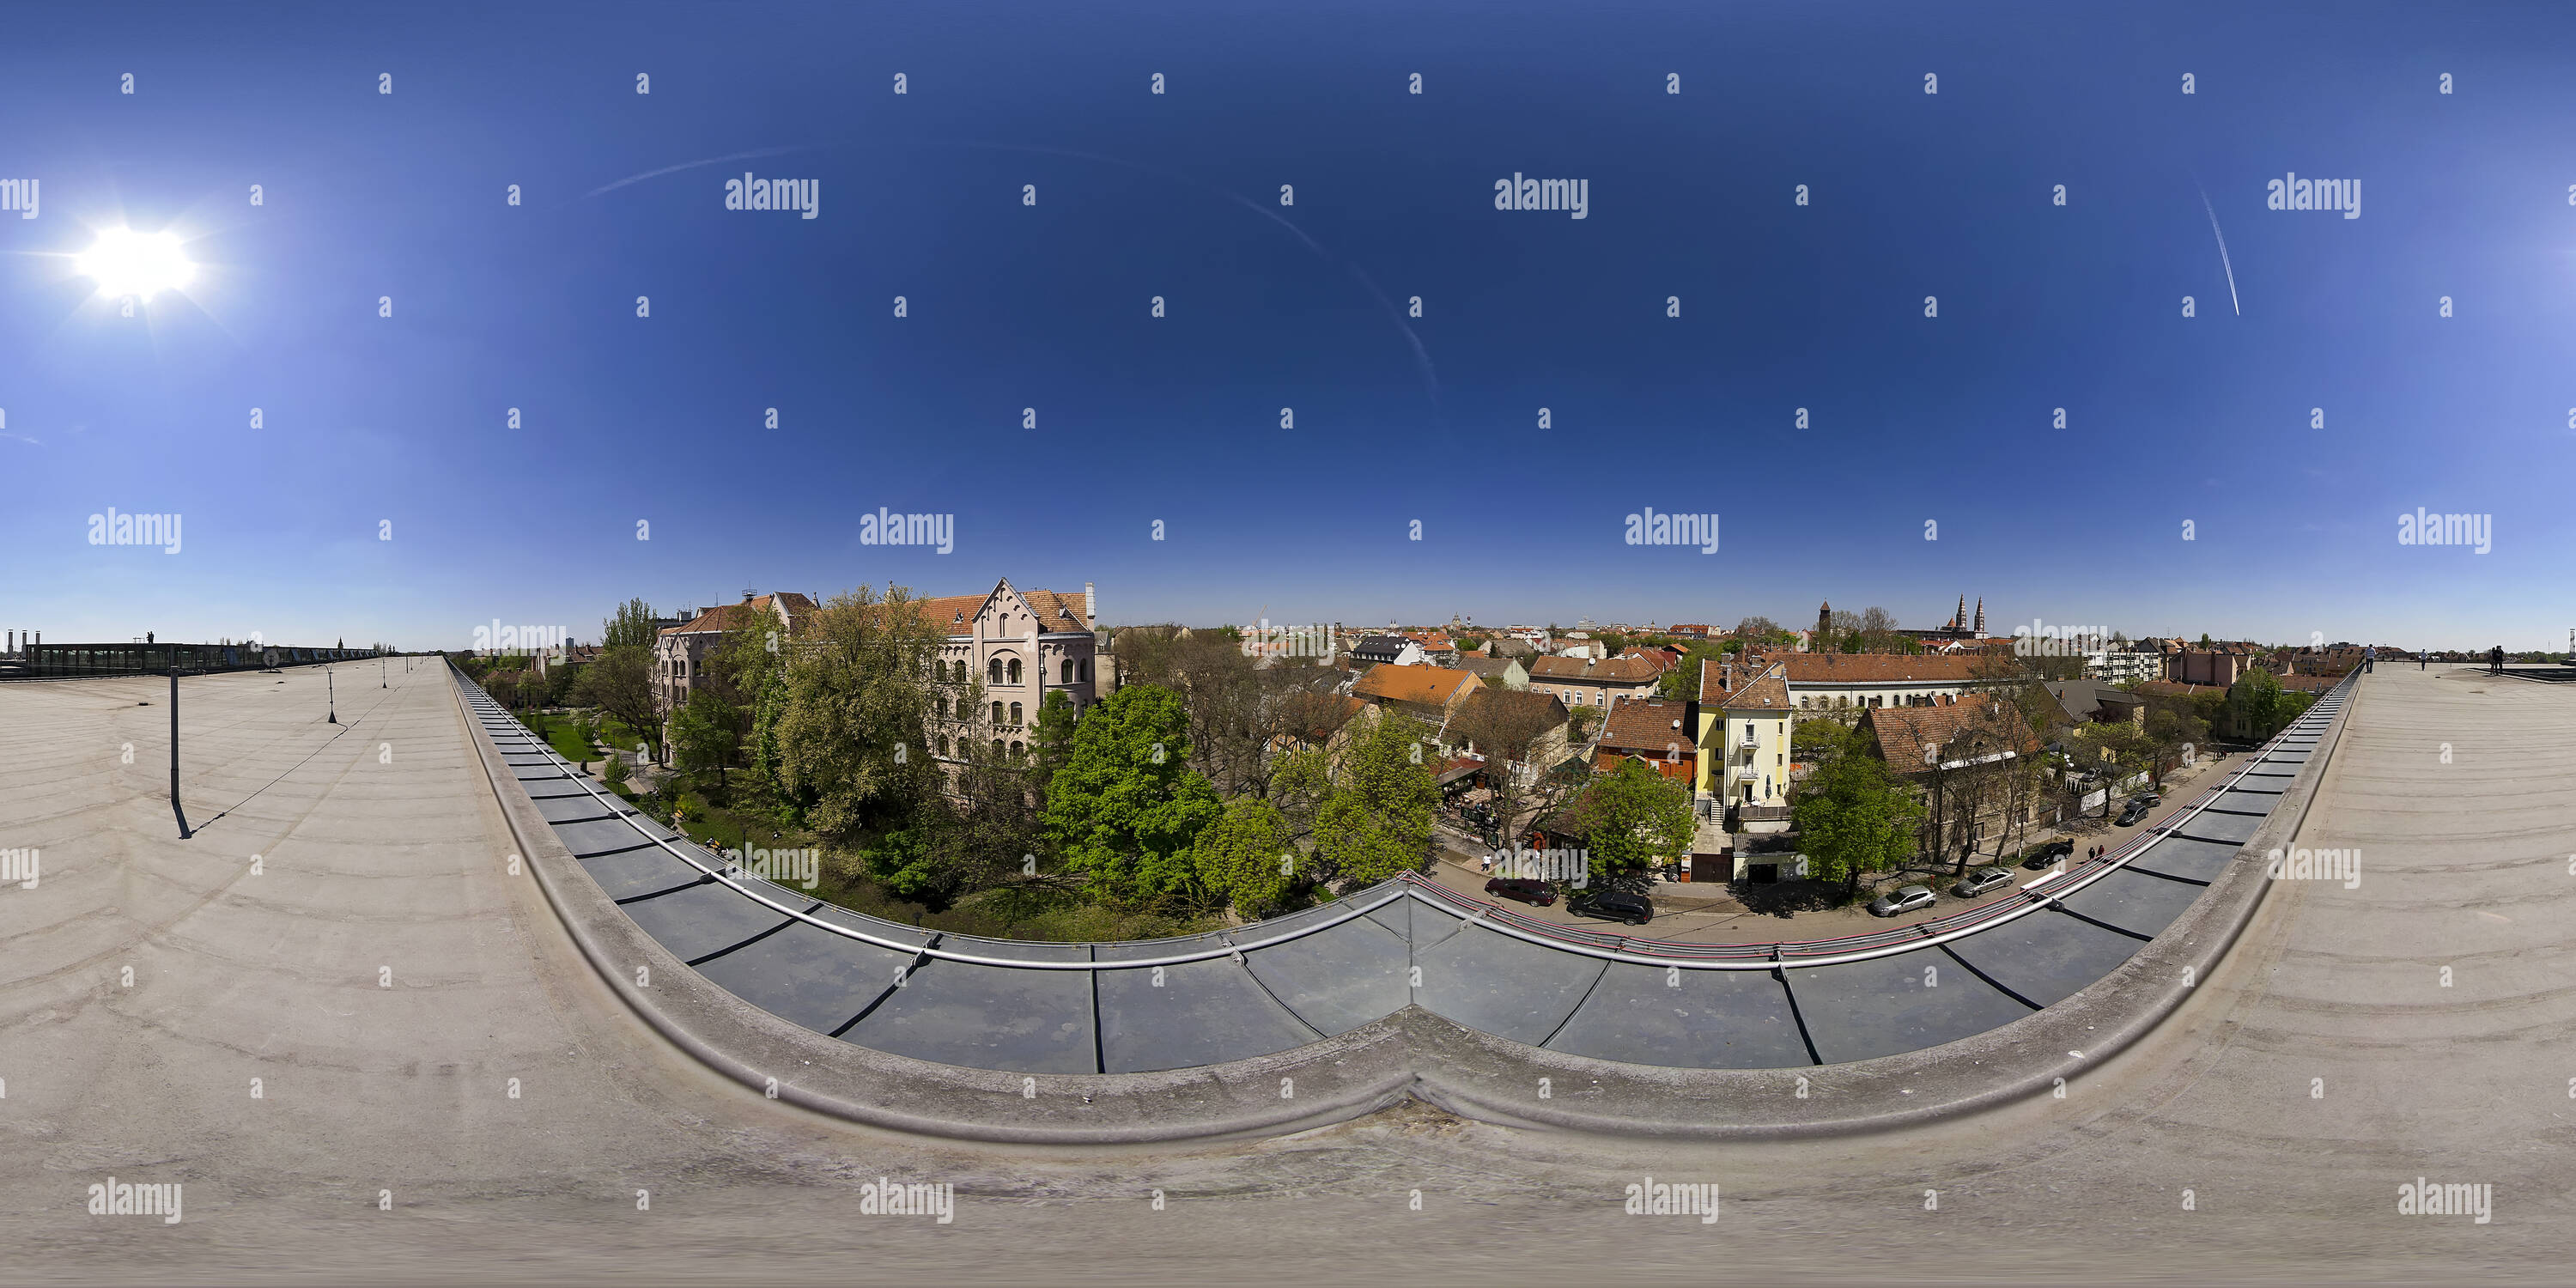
{"x":1981,"y":617}
{"x":1825,"y":627}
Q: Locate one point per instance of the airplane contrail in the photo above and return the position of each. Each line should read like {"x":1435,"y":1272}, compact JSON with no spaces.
{"x":2222,"y":252}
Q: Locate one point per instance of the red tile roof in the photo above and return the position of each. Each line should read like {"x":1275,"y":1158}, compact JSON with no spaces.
{"x":1427,"y":685}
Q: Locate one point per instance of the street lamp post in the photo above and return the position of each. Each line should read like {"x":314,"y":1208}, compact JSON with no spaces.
{"x":331,"y":695}
{"x":175,"y":807}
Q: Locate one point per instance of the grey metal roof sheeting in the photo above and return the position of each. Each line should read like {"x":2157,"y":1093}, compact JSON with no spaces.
{"x":1281,"y":984}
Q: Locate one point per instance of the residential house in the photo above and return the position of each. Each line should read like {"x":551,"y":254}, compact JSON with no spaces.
{"x":1858,"y":681}
{"x":1663,"y":732}
{"x":1745,"y":713}
{"x":1510,"y":646}
{"x":1023,"y":646}
{"x":1934,"y":747}
{"x":1506,"y":669}
{"x":1587,"y":682}
{"x":1427,"y":693}
{"x":1387,"y":650}
{"x":2092,"y":701}
{"x":680,"y":652}
{"x":1535,"y":722}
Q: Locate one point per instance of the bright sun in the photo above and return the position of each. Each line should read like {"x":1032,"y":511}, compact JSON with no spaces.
{"x":124,"y":262}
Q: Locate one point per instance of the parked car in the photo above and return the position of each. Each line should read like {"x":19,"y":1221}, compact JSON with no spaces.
{"x":2129,"y":817}
{"x":1613,"y":905}
{"x":2148,"y":799}
{"x":2047,"y":854}
{"x":1904,"y":899}
{"x":1980,"y":881}
{"x":1537,"y":894}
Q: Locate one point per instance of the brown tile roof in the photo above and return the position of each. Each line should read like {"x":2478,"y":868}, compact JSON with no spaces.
{"x":1427,"y":685}
{"x":1617,"y":670}
{"x":1057,"y":612}
{"x":1905,"y":730}
{"x":1648,"y":725}
{"x":2176,"y":688}
{"x":1481,"y":666}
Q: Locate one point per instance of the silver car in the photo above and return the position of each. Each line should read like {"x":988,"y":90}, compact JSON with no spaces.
{"x":1980,"y":881}
{"x":1905,"y":899}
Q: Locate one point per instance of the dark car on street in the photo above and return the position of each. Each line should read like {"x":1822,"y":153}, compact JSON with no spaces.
{"x":1904,"y":899}
{"x":1613,"y":905}
{"x":1537,"y":894}
{"x":1980,"y":881}
{"x":2047,"y":854}
{"x":2137,"y":810}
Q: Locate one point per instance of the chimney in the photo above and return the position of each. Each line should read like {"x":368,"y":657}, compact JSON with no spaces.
{"x":1090,"y":603}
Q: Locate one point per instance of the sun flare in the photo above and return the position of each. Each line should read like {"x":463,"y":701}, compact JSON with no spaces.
{"x":124,"y":263}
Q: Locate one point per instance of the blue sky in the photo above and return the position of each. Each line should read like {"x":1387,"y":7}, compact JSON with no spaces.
{"x":1948,"y":419}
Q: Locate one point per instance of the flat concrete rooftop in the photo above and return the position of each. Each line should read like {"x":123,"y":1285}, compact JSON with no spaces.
{"x":2325,"y":1063}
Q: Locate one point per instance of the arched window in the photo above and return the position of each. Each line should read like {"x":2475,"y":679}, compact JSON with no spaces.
{"x":958,"y":673}
{"x":1015,"y":713}
{"x":993,"y":671}
{"x":997,"y":715}
{"x":943,"y":744}
{"x":1067,"y":677}
{"x":997,"y":746}
{"x":1017,"y":749}
{"x":1086,"y":670}
{"x":1015,"y":670}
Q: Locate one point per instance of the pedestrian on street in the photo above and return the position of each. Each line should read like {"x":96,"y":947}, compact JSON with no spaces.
{"x":2495,"y":660}
{"x":2369,"y":655}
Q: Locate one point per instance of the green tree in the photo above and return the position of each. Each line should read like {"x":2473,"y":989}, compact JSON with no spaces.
{"x":1632,"y":819}
{"x":850,"y":739}
{"x":1124,"y":807}
{"x":1854,"y":819}
{"x":630,"y":627}
{"x":1377,"y":822}
{"x":1820,"y":739}
{"x":620,"y":683}
{"x":706,"y":733}
{"x":1683,"y":680}
{"x":1249,"y":858}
